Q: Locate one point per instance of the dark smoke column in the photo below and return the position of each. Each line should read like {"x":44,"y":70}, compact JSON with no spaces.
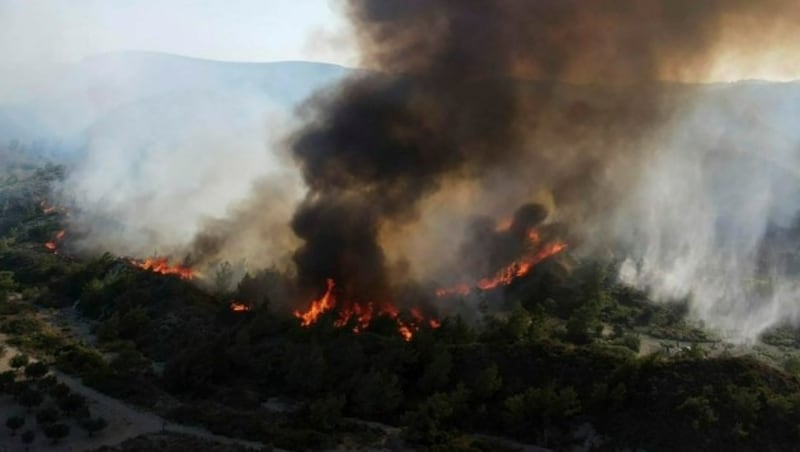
{"x":454,"y":105}
{"x":380,"y":143}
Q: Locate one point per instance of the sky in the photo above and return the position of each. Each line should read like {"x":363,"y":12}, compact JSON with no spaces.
{"x":43,"y":32}
{"x":35,"y":34}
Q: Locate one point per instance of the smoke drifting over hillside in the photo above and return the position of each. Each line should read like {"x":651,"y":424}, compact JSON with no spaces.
{"x":578,"y":111}
{"x":450,"y":122}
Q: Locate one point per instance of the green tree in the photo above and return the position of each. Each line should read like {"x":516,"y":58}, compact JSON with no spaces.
{"x":792,"y":365}
{"x":306,"y":372}
{"x":7,"y":378}
{"x":518,"y":325}
{"x":46,"y":416}
{"x":436,"y":373}
{"x":72,"y":403}
{"x":59,"y":391}
{"x":19,"y":361}
{"x":428,"y":423}
{"x":223,"y":278}
{"x":27,"y":438}
{"x":47,"y":383}
{"x":93,"y":425}
{"x":542,"y":409}
{"x":376,"y":392}
{"x":699,"y":411}
{"x":746,"y":407}
{"x":488,"y":382}
{"x":583,"y":323}
{"x":134,"y":323}
{"x":455,"y":330}
{"x":130,"y":363}
{"x":36,"y":370}
{"x":631,"y":341}
{"x":14,"y":423}
{"x":56,"y":432}
{"x":30,"y":398}
{"x":326,"y":413}
{"x":7,"y":284}
{"x":16,"y":388}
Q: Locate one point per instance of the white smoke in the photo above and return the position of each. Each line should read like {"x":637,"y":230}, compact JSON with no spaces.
{"x":161,"y":147}
{"x":721,"y":176}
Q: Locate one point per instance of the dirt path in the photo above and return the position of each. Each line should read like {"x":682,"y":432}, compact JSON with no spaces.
{"x":124,"y":420}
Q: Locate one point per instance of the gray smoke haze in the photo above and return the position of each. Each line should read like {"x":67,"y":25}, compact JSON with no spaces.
{"x":477,"y":102}
{"x":714,"y":216}
{"x":162,"y":148}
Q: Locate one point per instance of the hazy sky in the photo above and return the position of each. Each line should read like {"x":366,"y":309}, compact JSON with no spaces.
{"x":56,"y":31}
{"x":36,"y":33}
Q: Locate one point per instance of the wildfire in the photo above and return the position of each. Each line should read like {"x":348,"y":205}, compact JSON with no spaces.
{"x":360,"y":315}
{"x":47,"y":209}
{"x":161,"y":265}
{"x":458,"y":289}
{"x":521,"y":267}
{"x":52,"y":245}
{"x":516,"y":269}
{"x":239,"y":307}
{"x":504,"y":225}
{"x":318,"y":307}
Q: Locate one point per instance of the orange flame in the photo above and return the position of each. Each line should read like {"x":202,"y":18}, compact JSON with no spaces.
{"x":161,"y":265}
{"x":239,"y":307}
{"x":47,"y":209}
{"x":514,"y":270}
{"x":361,"y":314}
{"x":521,"y":267}
{"x":458,"y":289}
{"x":504,"y":225}
{"x":52,"y":245}
{"x":318,"y":307}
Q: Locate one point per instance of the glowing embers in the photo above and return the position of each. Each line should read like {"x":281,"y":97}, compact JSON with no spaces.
{"x":361,"y":315}
{"x":161,"y":265}
{"x":236,"y":306}
{"x":52,"y":245}
{"x":46,"y":207}
{"x":536,"y":253}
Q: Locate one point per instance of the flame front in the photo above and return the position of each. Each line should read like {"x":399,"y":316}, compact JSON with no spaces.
{"x":52,"y":245}
{"x":239,"y":307}
{"x":516,"y":269}
{"x":504,"y":224}
{"x":360,"y":315}
{"x":161,"y":265}
{"x":318,"y":307}
{"x":521,"y":267}
{"x":47,"y":209}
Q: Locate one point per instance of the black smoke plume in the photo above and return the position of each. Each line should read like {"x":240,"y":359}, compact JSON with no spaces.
{"x":468,"y":89}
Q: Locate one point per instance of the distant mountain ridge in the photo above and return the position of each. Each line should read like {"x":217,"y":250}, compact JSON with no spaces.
{"x":77,"y":96}
{"x":165,"y":95}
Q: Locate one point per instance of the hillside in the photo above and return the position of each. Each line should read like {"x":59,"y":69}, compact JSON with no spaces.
{"x":572,"y":358}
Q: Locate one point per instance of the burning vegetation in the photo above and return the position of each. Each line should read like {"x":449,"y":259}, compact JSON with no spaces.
{"x":46,"y":207}
{"x":360,"y":315}
{"x":52,"y":245}
{"x":237,"y":306}
{"x":536,"y":252}
{"x":162,"y":266}
{"x":448,"y":105}
{"x":511,"y":247}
